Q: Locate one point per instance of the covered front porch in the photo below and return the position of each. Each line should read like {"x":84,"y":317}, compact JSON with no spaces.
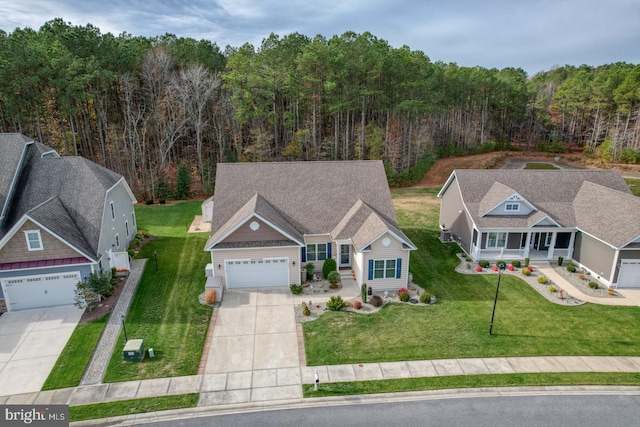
{"x":535,"y":244}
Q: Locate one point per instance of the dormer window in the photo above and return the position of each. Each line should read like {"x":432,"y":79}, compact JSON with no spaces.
{"x":512,"y":207}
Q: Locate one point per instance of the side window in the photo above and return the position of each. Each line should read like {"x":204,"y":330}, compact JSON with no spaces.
{"x":34,"y":240}
{"x":113,"y":211}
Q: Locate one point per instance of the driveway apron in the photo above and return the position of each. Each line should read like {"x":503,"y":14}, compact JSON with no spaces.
{"x":255,"y":330}
{"x":30,"y":343}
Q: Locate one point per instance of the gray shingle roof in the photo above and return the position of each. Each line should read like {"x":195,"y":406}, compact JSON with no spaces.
{"x":13,"y":147}
{"x":78,"y":188}
{"x":309,"y":197}
{"x":572,"y":198}
{"x":496,"y":194}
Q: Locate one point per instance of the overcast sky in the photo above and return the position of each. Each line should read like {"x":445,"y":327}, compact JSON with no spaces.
{"x":535,"y":35}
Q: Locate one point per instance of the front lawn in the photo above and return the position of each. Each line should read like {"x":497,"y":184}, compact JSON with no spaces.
{"x":526,"y":324}
{"x":634,"y":185}
{"x":165,"y":311}
{"x":75,"y":357}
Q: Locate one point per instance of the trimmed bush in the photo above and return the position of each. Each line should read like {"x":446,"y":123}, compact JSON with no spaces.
{"x":363,"y":292}
{"x":571,"y":269}
{"x":543,"y":280}
{"x":375,"y":300}
{"x":479,"y":269}
{"x":334,"y":279}
{"x":305,"y":309}
{"x":593,"y":285}
{"x":404,"y":297}
{"x":511,"y":268}
{"x":516,"y":263}
{"x":483,"y":263}
{"x":526,"y":262}
{"x":526,"y":271}
{"x":357,"y":305}
{"x":335,"y":303}
{"x":310,"y":267}
{"x":328,"y":267}
{"x":149,"y":201}
{"x":425,"y":297}
{"x":552,"y":288}
{"x":295,"y":289}
{"x":560,"y":261}
{"x":131,"y":252}
{"x":211,"y":296}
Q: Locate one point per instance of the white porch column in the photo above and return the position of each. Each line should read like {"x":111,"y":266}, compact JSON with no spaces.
{"x":552,"y":246}
{"x":527,"y":244}
{"x":572,"y":241}
{"x":478,"y":245}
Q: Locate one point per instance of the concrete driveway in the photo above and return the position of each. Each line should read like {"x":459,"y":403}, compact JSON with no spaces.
{"x":30,"y":343}
{"x":255,"y":330}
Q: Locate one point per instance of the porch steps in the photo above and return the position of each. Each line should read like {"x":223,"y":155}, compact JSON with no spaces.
{"x":347,"y":274}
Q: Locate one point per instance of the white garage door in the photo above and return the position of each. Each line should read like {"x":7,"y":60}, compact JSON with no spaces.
{"x":45,"y":290}
{"x":629,"y":276}
{"x":253,"y":273}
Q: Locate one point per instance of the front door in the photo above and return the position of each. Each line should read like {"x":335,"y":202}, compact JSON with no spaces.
{"x":345,"y":255}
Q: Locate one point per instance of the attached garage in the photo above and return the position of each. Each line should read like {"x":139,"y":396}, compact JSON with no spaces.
{"x":629,"y":275}
{"x":43,"y":290}
{"x":250,"y":273}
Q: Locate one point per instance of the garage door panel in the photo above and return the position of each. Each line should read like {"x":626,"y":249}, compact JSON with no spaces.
{"x":257,"y":273}
{"x":629,"y":276}
{"x":45,"y":290}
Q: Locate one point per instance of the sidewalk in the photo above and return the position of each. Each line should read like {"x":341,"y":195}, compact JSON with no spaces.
{"x":102,"y":353}
{"x":285,"y":383}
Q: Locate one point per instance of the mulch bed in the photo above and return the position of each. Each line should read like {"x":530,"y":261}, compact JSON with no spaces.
{"x":106,"y":305}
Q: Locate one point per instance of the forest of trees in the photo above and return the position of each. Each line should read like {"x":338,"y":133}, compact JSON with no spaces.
{"x":145,"y":106}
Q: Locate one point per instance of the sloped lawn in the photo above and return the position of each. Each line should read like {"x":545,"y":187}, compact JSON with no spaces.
{"x":165,"y":311}
{"x":457,"y":326}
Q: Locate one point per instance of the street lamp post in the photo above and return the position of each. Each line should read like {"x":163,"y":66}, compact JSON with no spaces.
{"x":124,"y":328}
{"x":155,"y":257}
{"x":501,"y":268}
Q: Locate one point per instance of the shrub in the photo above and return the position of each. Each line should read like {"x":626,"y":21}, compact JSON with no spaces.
{"x":310,"y":267}
{"x":571,"y":263}
{"x":526,"y":262}
{"x":211,"y":296}
{"x":425,"y":297}
{"x":404,"y":297}
{"x":149,"y":201}
{"x":479,"y":269}
{"x":526,"y":272}
{"x":593,"y":285}
{"x":582,"y":276}
{"x":335,"y":303}
{"x":403,"y":291}
{"x":357,"y":305}
{"x":347,"y":303}
{"x":131,"y":252}
{"x":510,"y":268}
{"x":560,"y":261}
{"x":495,"y":267}
{"x":363,"y":291}
{"x":295,"y":289}
{"x":144,"y":233}
{"x":483,"y":263}
{"x":375,"y":300}
{"x":334,"y":279}
{"x":305,"y":309}
{"x":162,"y":201}
{"x":501,"y":263}
{"x":552,"y":288}
{"x":542,"y":280}
{"x":516,"y":263}
{"x":183,"y":182}
{"x":571,"y":269}
{"x":136,"y":242}
{"x":328,"y":267}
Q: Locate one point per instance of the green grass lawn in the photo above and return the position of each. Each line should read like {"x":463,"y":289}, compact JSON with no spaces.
{"x":544,"y":166}
{"x":133,"y":406}
{"x":165,"y":311}
{"x":75,"y":356}
{"x":634,"y":185}
{"x":526,"y":324}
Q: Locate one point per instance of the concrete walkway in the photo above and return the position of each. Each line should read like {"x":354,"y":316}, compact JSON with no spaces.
{"x":109,"y":339}
{"x":284,"y":384}
{"x":546,"y":269}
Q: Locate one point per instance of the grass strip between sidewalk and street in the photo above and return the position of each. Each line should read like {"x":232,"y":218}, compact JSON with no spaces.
{"x":72,"y":362}
{"x":132,"y":406}
{"x":471,"y":381}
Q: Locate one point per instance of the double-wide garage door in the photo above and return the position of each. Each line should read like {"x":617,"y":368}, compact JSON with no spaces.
{"x":257,"y":273}
{"x":45,"y":290}
{"x":629,"y":275}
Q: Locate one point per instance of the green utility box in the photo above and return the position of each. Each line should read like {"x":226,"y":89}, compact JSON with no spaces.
{"x":133,"y":350}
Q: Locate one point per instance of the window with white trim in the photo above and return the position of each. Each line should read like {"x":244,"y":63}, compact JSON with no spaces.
{"x":133,"y":219}
{"x":113,"y":210}
{"x":34,"y":240}
{"x":316,"y":252}
{"x":512,"y":207}
{"x":126,"y":226}
{"x":547,"y":241}
{"x":384,"y":268}
{"x":496,"y":240}
{"x":117,"y":241}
